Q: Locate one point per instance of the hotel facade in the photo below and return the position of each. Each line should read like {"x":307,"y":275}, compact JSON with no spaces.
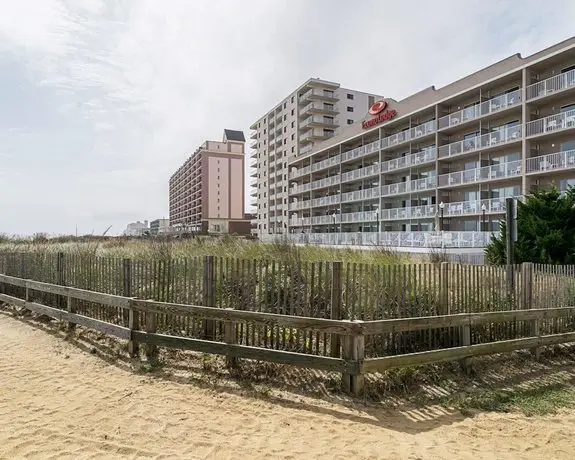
{"x":207,"y":191}
{"x":434,"y":169}
{"x":315,"y":111}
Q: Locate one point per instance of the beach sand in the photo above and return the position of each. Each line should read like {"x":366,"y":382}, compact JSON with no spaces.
{"x":58,"y":401}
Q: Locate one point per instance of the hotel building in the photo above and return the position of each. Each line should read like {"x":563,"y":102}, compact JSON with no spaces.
{"x":434,"y":169}
{"x":207,"y":191}
{"x":315,"y":111}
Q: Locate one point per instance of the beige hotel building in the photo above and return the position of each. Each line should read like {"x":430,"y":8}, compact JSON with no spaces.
{"x":434,"y":169}
{"x":207,"y":191}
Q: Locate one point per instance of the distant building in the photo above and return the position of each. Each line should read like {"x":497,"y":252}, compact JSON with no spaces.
{"x":159,"y":226}
{"x":253,"y":218}
{"x":137,"y":229}
{"x":207,"y":191}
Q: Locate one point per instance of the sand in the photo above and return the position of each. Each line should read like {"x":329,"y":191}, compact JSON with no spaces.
{"x":59,"y":401}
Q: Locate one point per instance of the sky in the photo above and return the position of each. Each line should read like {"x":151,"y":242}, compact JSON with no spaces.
{"x":102,"y":100}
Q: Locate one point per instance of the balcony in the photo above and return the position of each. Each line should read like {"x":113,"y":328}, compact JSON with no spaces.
{"x":551,"y":124}
{"x":360,"y":195}
{"x":493,"y":105}
{"x":327,"y":182}
{"x":475,"y":207}
{"x":418,"y":185}
{"x":305,"y":149}
{"x":318,"y":121}
{"x":485,"y":141}
{"x":396,"y":239}
{"x":470,"y":176}
{"x":319,"y":94}
{"x":409,"y":212}
{"x":418,"y":158}
{"x":360,"y":173}
{"x":409,"y":134}
{"x":254,"y":144}
{"x":316,"y":107}
{"x":254,"y":134}
{"x":552,"y":162}
{"x":552,"y":85}
{"x":312,"y":135}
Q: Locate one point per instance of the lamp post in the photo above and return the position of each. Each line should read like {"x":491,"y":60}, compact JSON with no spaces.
{"x":378,"y":226}
{"x":483,"y":222}
{"x":441,"y":207}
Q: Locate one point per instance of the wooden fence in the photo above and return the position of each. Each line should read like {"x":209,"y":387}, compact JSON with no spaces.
{"x":260,"y":335}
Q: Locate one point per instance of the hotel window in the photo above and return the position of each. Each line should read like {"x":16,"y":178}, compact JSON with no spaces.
{"x":565,"y":184}
{"x":569,"y":145}
{"x":349,"y":109}
{"x":567,"y":108}
{"x":349,"y":122}
{"x":350,"y":96}
{"x":292,"y":112}
{"x":292,"y":99}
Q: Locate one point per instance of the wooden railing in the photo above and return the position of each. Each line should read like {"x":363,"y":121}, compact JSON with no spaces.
{"x":348,"y":337}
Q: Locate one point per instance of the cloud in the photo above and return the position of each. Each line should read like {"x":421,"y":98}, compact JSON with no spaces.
{"x":134,"y":87}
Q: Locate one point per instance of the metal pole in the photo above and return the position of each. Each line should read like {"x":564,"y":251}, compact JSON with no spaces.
{"x":509,"y":239}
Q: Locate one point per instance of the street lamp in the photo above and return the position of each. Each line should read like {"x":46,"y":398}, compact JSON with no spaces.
{"x":377,"y":219}
{"x":334,"y":222}
{"x":483,"y":222}
{"x":441,"y":207}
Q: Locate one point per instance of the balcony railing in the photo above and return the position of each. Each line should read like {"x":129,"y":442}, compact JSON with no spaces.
{"x":319,"y":107}
{"x":551,"y":85}
{"x":319,"y":93}
{"x":551,"y":162}
{"x":417,"y":185}
{"x":550,"y":124}
{"x":359,"y":195}
{"x":492,"y":139}
{"x":306,"y":149}
{"x":409,"y":212}
{"x":328,"y":181}
{"x":469,"y":176}
{"x":417,"y":158}
{"x":360,"y":173}
{"x":495,"y":104}
{"x":396,"y":239}
{"x":474,"y":207}
{"x":318,"y":120}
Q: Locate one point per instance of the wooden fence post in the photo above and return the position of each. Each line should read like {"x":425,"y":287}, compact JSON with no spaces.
{"x":151,"y":326}
{"x":133,"y":323}
{"x":336,"y":310}
{"x":60,"y":277}
{"x":71,"y":309}
{"x":353,"y":349}
{"x":444,"y":288}
{"x":230,"y":338}
{"x":527,"y":296}
{"x":466,"y":363}
{"x":209,"y":295}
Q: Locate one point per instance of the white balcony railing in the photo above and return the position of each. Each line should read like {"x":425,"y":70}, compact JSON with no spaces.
{"x":495,"y":104}
{"x":409,"y":212}
{"x":320,"y":93}
{"x":328,"y":181}
{"x":305,"y":149}
{"x":318,"y":120}
{"x":492,"y":139}
{"x":360,"y":173}
{"x":469,"y":176}
{"x":551,"y":85}
{"x":397,"y":239}
{"x":417,"y":185}
{"x":319,"y":107}
{"x":558,"y":122}
{"x":424,"y":156}
{"x":359,"y":195}
{"x":551,"y":162}
{"x":474,"y":207}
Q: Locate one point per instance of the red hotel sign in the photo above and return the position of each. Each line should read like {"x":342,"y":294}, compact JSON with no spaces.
{"x":381,"y":114}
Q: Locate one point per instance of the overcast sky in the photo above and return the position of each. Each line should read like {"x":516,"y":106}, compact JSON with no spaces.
{"x":100,"y":101}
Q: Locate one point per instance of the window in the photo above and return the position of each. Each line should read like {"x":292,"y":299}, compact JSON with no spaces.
{"x":567,"y":108}
{"x":350,"y":96}
{"x":349,"y":121}
{"x":293,"y":124}
{"x":566,"y":183}
{"x":285,"y":105}
{"x":285,"y":117}
{"x":569,"y":145}
{"x":349,"y":109}
{"x":292,"y":99}
{"x":292,"y":112}
{"x":285,"y":129}
{"x":285,"y":141}
{"x":292,"y":137}
{"x":292,"y":149}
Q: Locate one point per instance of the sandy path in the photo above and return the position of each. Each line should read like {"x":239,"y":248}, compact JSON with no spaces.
{"x":57,"y":401}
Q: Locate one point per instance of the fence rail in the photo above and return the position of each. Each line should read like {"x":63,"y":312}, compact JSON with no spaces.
{"x":352,"y":346}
